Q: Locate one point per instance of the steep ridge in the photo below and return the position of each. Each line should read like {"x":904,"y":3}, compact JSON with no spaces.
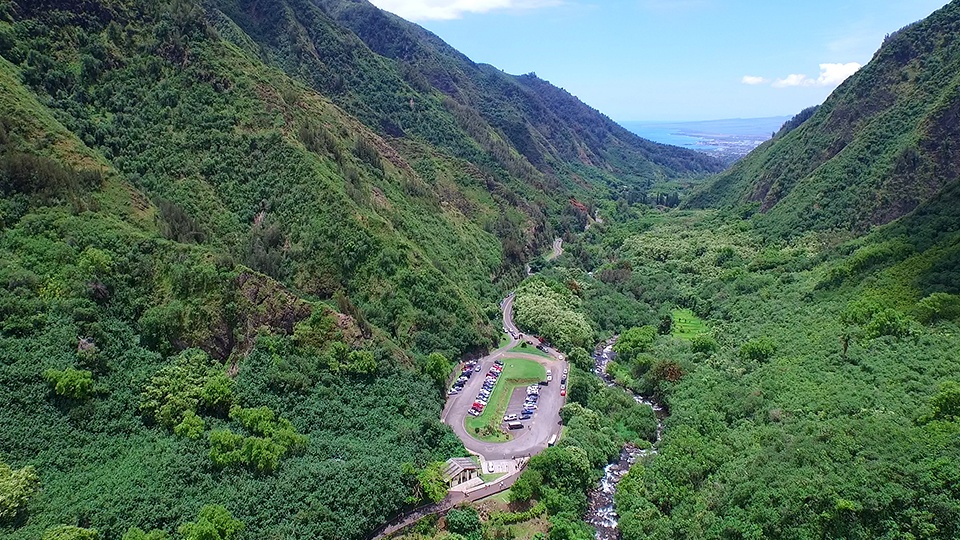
{"x":882,"y":143}
{"x":521,"y":126}
{"x":548,"y":125}
{"x":270,"y":130}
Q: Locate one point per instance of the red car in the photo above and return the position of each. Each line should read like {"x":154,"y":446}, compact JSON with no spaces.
{"x":563,"y":392}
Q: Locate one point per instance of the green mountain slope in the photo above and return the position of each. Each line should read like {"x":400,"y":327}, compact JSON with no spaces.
{"x":231,"y":237}
{"x":549,"y":127}
{"x":240,"y":119}
{"x":882,"y":143}
{"x":119,"y":428}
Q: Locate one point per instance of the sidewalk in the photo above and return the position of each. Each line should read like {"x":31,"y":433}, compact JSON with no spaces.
{"x":454,"y":498}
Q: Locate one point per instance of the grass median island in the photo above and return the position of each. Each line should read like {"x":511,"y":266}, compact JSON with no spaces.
{"x":529,"y":349}
{"x":516,"y":372}
{"x":686,"y":325}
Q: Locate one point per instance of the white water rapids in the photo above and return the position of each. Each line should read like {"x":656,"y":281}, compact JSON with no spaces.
{"x":600,"y":513}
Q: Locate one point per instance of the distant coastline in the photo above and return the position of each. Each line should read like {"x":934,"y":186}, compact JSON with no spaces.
{"x":728,"y":139}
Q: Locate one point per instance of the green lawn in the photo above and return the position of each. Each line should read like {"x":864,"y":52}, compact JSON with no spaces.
{"x":491,"y":477}
{"x":504,"y":340}
{"x":686,"y":325}
{"x":516,"y":372}
{"x":502,"y":497}
{"x":530,"y":349}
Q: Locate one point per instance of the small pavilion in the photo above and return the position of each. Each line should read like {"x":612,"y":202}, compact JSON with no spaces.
{"x":460,"y":470}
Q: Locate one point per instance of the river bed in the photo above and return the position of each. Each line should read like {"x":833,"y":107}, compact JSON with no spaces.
{"x":600,"y":512}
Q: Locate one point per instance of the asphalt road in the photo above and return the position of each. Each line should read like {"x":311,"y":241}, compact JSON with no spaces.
{"x":557,"y":249}
{"x":538,"y":430}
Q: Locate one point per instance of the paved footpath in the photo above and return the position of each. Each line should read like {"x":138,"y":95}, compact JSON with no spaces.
{"x":453,"y":499}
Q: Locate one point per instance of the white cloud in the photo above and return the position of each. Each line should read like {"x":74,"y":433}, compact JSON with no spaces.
{"x":795,"y":79}
{"x":830,"y":75}
{"x":753,"y":80}
{"x":422,"y":10}
{"x":834,"y":74}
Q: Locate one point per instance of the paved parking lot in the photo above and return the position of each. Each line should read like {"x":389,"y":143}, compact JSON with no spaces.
{"x":516,"y":401}
{"x":537,"y":430}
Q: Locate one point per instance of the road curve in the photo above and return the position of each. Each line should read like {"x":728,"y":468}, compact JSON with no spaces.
{"x":539,"y":429}
{"x":557,"y":249}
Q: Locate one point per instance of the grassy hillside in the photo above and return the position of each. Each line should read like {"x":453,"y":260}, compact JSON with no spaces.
{"x":883,"y":143}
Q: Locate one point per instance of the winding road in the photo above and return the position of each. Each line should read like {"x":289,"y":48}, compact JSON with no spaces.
{"x":538,"y":430}
{"x":557,"y":249}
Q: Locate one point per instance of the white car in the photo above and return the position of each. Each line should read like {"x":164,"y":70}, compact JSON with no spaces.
{"x":510,"y":418}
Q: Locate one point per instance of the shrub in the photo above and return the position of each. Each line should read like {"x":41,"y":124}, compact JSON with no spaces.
{"x":69,"y":532}
{"x":463,"y":520}
{"x":703,"y":344}
{"x":213,"y":523}
{"x":758,"y":350}
{"x":70,"y":383}
{"x":16,"y":487}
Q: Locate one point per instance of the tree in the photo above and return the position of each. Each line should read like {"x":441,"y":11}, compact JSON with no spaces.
{"x":191,"y":427}
{"x":666,"y":324}
{"x":566,"y":526}
{"x":437,"y":367}
{"x":581,"y":359}
{"x":431,"y":481}
{"x":69,"y":532}
{"x":214,"y":522}
{"x":217,"y":393}
{"x":635,"y":341}
{"x":946,"y":404}
{"x":16,"y":487}
{"x":463,"y":520}
{"x":70,"y":383}
{"x":136,"y":533}
{"x":525,"y":488}
{"x":703,"y":344}
{"x":361,"y":362}
{"x":758,"y":350}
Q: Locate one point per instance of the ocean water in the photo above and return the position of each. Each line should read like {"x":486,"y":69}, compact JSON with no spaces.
{"x":731,"y":136}
{"x":667,"y":134}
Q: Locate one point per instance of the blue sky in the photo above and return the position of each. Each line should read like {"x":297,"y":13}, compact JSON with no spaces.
{"x":673,"y":59}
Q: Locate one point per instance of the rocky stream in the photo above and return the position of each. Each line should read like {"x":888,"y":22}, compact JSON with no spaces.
{"x":600,"y":512}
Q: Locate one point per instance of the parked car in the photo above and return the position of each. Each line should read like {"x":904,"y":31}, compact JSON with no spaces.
{"x":526,"y":416}
{"x":510,"y":418}
{"x":563,"y":392}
